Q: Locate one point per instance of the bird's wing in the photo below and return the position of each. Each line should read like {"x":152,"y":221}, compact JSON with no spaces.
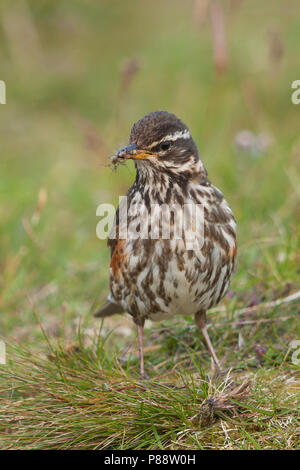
{"x":108,"y":308}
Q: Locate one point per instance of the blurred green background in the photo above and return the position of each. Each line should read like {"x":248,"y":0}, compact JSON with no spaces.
{"x":78,"y":75}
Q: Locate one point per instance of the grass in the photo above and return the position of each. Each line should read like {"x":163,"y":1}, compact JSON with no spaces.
{"x":68,"y":382}
{"x":85,"y":398}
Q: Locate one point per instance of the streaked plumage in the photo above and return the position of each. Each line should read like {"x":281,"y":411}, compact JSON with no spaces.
{"x":159,"y":278}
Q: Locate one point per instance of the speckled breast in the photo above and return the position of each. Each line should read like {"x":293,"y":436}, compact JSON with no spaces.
{"x":159,"y":278}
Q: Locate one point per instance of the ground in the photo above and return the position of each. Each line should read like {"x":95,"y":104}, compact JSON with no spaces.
{"x":77,"y":77}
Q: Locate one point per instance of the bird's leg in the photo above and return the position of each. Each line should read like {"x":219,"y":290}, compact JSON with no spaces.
{"x":200,"y":320}
{"x":141,"y":351}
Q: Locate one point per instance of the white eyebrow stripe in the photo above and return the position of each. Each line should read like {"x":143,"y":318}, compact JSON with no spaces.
{"x":178,"y":135}
{"x":172,"y":137}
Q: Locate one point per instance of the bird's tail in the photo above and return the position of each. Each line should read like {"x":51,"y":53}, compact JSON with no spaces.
{"x":108,"y":308}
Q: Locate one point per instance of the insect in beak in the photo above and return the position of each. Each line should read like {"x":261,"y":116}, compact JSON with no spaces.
{"x":132,"y":152}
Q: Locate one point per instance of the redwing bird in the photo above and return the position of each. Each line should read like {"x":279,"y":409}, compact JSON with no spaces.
{"x":159,"y":277}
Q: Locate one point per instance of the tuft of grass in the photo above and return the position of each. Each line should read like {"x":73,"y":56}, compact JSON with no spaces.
{"x":81,"y":397}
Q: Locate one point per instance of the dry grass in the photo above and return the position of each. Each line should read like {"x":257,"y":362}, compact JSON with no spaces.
{"x":84,"y":400}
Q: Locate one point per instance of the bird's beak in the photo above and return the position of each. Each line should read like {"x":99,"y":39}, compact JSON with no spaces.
{"x":134,"y":153}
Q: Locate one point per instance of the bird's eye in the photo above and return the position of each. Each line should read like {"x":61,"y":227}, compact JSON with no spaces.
{"x":165,"y":145}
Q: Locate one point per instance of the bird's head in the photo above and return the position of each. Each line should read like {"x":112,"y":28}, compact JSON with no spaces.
{"x":161,"y":141}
